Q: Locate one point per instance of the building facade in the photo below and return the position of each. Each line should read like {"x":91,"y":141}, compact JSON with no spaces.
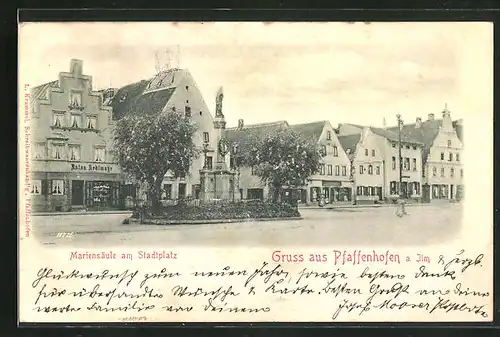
{"x":411,"y":161}
{"x":72,"y":164}
{"x":367,"y":164}
{"x":173,"y":89}
{"x":332,"y":182}
{"x":442,"y":156}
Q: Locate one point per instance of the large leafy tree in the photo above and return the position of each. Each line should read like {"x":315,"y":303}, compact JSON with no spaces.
{"x":150,"y":145}
{"x":282,"y":158}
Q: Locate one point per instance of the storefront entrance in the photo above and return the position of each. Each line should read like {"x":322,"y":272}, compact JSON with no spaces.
{"x":77,"y":192}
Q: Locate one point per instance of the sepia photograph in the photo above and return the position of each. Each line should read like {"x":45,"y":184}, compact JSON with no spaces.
{"x":142,"y":140}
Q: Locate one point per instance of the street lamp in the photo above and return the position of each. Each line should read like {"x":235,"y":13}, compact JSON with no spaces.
{"x":400,"y":126}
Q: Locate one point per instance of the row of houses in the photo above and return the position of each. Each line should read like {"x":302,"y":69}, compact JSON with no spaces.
{"x":73,"y":165}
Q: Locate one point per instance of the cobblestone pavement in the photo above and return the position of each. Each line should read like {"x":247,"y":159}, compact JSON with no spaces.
{"x":362,"y":226}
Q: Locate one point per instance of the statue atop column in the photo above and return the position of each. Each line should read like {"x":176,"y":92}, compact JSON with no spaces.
{"x":218,"y":103}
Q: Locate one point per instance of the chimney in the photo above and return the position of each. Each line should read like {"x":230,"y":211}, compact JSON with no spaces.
{"x":240,"y":124}
{"x":430,"y":117}
{"x":418,"y":122}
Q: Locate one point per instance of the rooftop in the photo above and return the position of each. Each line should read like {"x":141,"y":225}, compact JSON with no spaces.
{"x":310,"y":130}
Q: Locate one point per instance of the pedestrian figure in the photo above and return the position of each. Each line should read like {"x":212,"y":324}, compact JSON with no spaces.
{"x":321,"y":201}
{"x":401,"y":210}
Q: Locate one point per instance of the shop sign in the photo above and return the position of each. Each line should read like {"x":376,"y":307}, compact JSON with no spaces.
{"x":91,"y":167}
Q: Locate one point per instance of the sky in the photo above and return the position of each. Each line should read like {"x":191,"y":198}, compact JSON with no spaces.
{"x":300,"y":72}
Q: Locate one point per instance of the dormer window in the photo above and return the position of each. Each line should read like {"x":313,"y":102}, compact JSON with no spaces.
{"x":187,"y":111}
{"x":328,"y":135}
{"x":187,"y":88}
{"x":335,"y":151}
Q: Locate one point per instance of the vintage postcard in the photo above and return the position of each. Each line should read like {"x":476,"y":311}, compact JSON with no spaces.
{"x":255,"y":172}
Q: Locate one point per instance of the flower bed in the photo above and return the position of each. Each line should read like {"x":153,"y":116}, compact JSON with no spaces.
{"x":225,"y":211}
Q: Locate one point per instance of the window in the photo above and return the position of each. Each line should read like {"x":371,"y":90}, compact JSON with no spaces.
{"x":39,"y":151}
{"x":407,"y":147}
{"x":99,"y":154}
{"x":414,"y":164}
{"x":442,"y":171}
{"x":450,"y":157}
{"x":91,"y":122}
{"x":328,"y":135}
{"x":335,"y":151}
{"x":442,"y":156}
{"x":366,"y":152}
{"x":393,"y":188}
{"x":373,"y":153}
{"x":58,"y":151}
{"x":449,"y":143}
{"x":434,"y":171}
{"x":58,"y":120}
{"x":75,"y":99}
{"x":330,"y":170}
{"x":167,"y":188}
{"x":206,"y":137}
{"x":187,"y":88}
{"x":74,"y":152}
{"x":344,"y":171}
{"x":323,"y":150}
{"x":414,"y":147}
{"x":457,"y":157}
{"x":75,"y":121}
{"x":407,"y":164}
{"x":377,"y":170}
{"x":58,"y":187}
{"x":337,"y":170}
{"x":187,"y":111}
{"x":36,"y":187}
{"x":393,"y":144}
{"x":394,"y":163}
{"x":370,"y":169}
{"x":360,"y":169}
{"x":322,"y":169}
{"x":452,"y":172}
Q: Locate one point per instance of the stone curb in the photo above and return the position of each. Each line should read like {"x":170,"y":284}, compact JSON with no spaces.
{"x":215,"y":221}
{"x":372,"y":206}
{"x":81,"y":213}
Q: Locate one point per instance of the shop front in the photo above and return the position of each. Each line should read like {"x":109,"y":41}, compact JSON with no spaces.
{"x":79,"y":186}
{"x":331,"y":192}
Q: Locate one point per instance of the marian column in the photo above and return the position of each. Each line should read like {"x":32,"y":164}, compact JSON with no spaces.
{"x":219,"y":183}
{"x":220,"y":133}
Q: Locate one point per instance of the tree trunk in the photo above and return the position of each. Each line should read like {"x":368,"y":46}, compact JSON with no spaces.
{"x":155,"y":193}
{"x":276,"y":193}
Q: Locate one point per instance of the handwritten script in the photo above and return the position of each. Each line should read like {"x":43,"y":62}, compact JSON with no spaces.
{"x":434,"y":285}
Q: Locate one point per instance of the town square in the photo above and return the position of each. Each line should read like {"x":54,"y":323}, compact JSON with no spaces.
{"x":157,"y":158}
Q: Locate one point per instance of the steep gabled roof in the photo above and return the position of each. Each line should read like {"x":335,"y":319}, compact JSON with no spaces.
{"x":310,"y":130}
{"x":40,"y":92}
{"x":146,"y":96}
{"x":424,"y":134}
{"x":458,"y":125}
{"x":394,"y":136}
{"x":349,"y":143}
{"x":243,"y":135}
